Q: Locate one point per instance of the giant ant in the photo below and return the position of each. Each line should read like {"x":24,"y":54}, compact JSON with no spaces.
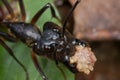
{"x":54,"y":42}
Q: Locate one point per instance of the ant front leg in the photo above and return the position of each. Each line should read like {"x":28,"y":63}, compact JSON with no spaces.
{"x":11,"y":53}
{"x":35,"y":61}
{"x":56,"y":62}
{"x":40,"y":12}
{"x":63,"y":73}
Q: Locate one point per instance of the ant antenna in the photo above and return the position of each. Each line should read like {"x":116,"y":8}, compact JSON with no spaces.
{"x":68,"y":15}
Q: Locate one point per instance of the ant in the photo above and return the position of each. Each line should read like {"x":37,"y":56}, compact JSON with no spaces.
{"x":54,"y":42}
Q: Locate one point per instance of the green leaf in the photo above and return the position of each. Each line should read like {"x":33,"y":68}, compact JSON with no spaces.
{"x":10,"y":70}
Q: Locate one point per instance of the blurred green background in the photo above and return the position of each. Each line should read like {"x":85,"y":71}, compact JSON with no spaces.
{"x":10,"y":70}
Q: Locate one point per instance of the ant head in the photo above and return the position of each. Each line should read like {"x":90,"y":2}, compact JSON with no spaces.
{"x":72,"y":51}
{"x":83,"y":59}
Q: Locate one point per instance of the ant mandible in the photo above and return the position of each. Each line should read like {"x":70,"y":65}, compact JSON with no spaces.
{"x":54,"y":42}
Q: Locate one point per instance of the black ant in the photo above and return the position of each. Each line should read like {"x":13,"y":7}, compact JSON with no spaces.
{"x":54,"y":42}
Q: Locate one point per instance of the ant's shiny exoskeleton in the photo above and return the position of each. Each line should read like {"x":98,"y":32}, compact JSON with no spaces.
{"x":54,"y":42}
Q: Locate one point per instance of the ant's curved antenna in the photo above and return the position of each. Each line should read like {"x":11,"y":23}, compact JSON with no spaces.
{"x":68,"y":15}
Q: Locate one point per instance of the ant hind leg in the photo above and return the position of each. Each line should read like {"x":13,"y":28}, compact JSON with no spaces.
{"x":8,"y":37}
{"x":9,"y":8}
{"x":22,"y":9}
{"x":11,"y":53}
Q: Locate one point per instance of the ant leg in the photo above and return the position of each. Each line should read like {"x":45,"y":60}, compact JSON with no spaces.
{"x":8,"y":37}
{"x":40,"y":12}
{"x":35,"y":61}
{"x":11,"y":53}
{"x":1,"y":14}
{"x":9,"y":8}
{"x":55,"y":56}
{"x":22,"y":9}
{"x":56,"y":61}
{"x":61,"y":71}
